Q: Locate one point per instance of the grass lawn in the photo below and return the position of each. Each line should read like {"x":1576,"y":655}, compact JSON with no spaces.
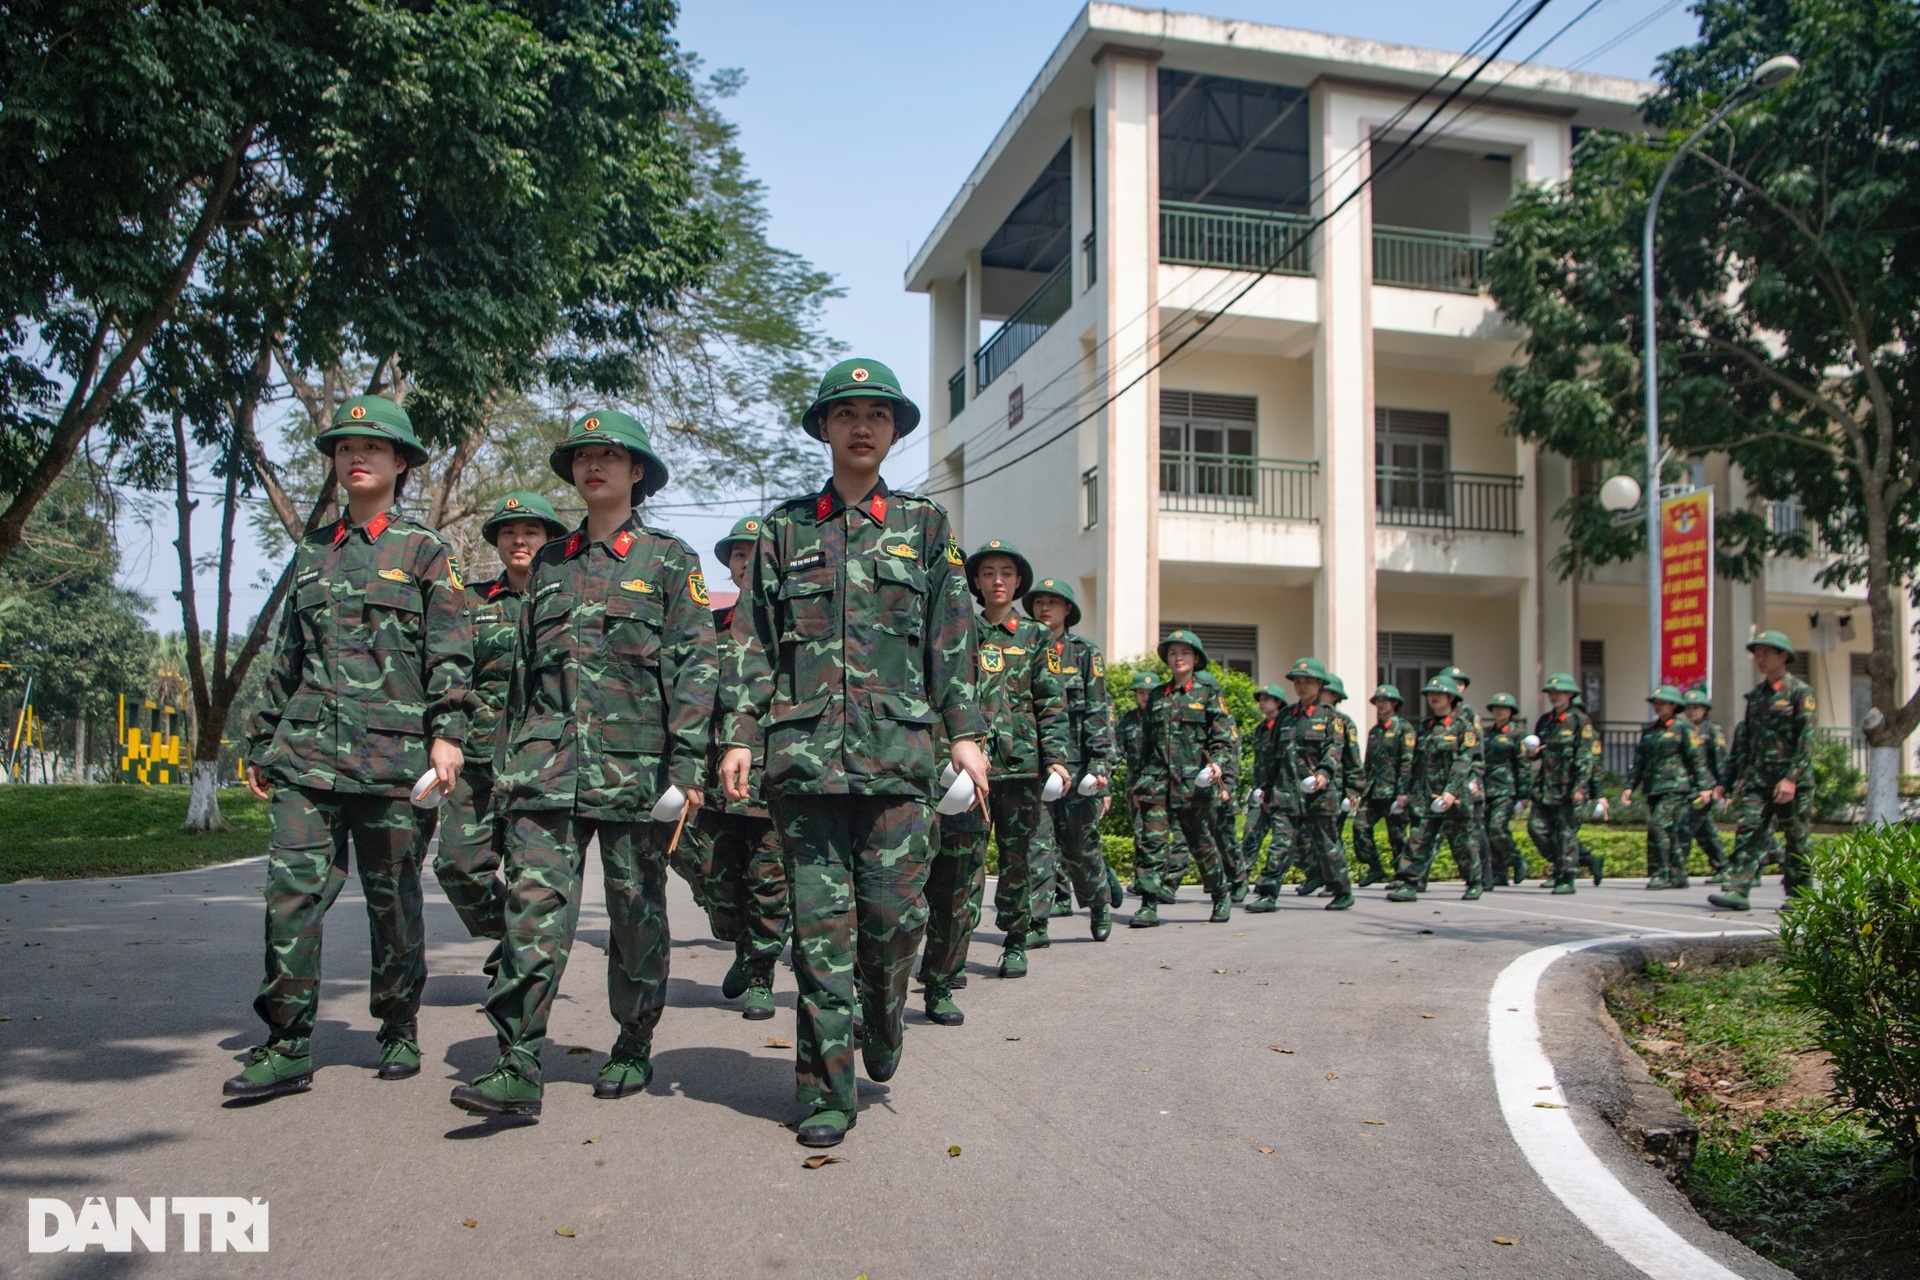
{"x":1780,"y":1165}
{"x":67,"y":833}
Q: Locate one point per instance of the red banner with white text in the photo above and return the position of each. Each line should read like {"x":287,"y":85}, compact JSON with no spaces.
{"x":1686,"y":589}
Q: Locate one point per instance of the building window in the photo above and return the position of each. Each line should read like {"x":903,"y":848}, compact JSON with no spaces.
{"x":1407,"y":660}
{"x":1090,"y":492}
{"x":1593,"y":677}
{"x":1207,"y":444}
{"x":1235,"y":648}
{"x":1411,"y":458}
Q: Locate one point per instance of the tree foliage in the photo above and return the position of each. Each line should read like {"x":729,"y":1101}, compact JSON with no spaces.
{"x":1787,"y":303}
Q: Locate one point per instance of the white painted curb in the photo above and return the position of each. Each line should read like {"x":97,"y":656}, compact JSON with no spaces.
{"x":1550,"y":1140}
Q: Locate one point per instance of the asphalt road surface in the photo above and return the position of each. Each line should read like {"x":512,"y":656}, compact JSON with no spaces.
{"x":1109,"y":1112}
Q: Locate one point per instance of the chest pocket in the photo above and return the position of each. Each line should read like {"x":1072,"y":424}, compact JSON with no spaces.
{"x":633,"y":626}
{"x":393,"y":612}
{"x":806,"y":604}
{"x":551,"y":642}
{"x":310,"y":602}
{"x":901,"y":588}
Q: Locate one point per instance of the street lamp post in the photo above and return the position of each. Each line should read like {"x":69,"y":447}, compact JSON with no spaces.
{"x":1770,"y":74}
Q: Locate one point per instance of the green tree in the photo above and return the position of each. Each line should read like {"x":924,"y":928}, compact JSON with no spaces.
{"x":1787,"y":311}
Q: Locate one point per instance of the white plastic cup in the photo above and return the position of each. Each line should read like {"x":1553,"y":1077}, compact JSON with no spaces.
{"x":1203,"y":777}
{"x":427,"y":793}
{"x":1439,"y":805}
{"x":1259,"y":797}
{"x":1346,"y":804}
{"x":1531,"y":744}
{"x":667,"y":808}
{"x":1055,"y":788}
{"x":1091,"y":785}
{"x":1601,"y":813}
{"x":959,"y":793}
{"x":1309,"y":784}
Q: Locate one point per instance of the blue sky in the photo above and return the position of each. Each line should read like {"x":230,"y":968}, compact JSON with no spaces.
{"x":862,"y":119}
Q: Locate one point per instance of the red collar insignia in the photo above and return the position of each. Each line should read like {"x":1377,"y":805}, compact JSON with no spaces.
{"x":823,"y":508}
{"x":725,"y":620}
{"x":621,"y":542}
{"x":879,"y":507}
{"x":1446,"y":723}
{"x":497,"y":587}
{"x":1011,"y":623}
{"x":573,"y":545}
{"x":340,"y":531}
{"x":377,"y":526}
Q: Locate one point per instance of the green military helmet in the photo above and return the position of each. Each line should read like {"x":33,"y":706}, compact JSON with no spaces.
{"x":1274,"y":691}
{"x":1773,"y":640}
{"x":1144,"y":681}
{"x":1458,"y":676}
{"x":610,"y":426}
{"x":1192,"y":641}
{"x":745,"y":529}
{"x":377,"y":418}
{"x":1337,"y":687}
{"x":1206,"y":678}
{"x":521,"y":504}
{"x":1442,"y":684}
{"x":1698,"y":697}
{"x":1000,"y":547}
{"x":1308,"y":669}
{"x":1560,"y":682}
{"x":1056,"y":587}
{"x":1503,"y":700}
{"x":1391,"y":692}
{"x":1667,"y":693}
{"x":857,"y":377}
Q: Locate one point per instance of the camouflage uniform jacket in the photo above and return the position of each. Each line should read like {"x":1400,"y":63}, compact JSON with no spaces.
{"x":1315,"y":743}
{"x":1390,"y":748}
{"x":1713,"y":750}
{"x":1725,"y":776}
{"x":1127,"y":731}
{"x":1352,"y":772}
{"x":1183,"y":728}
{"x":1567,"y":759}
{"x":854,"y":637}
{"x":1091,"y":745}
{"x":1778,"y":742}
{"x":1266,"y":759}
{"x":375,"y":656}
{"x":1443,"y":758}
{"x":496,"y":632}
{"x":613,"y":688}
{"x":1669,"y":760}
{"x":1508,"y":774}
{"x":1017,"y":684}
{"x":755,"y":805}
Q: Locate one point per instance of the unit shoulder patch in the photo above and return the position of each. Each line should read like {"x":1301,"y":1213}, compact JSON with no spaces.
{"x":992,"y":659}
{"x":1053,"y":660}
{"x":697,"y":588}
{"x":1099,"y":667}
{"x":453,"y":572}
{"x":953,"y":551}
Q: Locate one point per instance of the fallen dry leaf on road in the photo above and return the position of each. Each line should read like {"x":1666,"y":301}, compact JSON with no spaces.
{"x":817,"y":1162}
{"x":953,"y":1151}
{"x":578,"y":1048}
{"x":1279,"y":1048}
{"x":1551,"y":1106}
{"x":468,"y":1222}
{"x":1265,"y":1151}
{"x":1219,"y":970}
{"x":1373,"y":1122}
{"x":1013,"y":1037}
{"x":1506,"y":1239}
{"x":1333,"y":1075}
{"x":588,"y":1141}
{"x":1426,"y":1015}
{"x":564,"y":1231}
{"x":775,"y":1042}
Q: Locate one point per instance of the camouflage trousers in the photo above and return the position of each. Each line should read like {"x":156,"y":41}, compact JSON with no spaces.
{"x":1226,"y":838}
{"x":546,"y":853}
{"x":1023,"y":894}
{"x":1555,"y":832}
{"x":306,"y":869}
{"x":1669,"y":820}
{"x":1699,"y":827}
{"x":471,"y":840}
{"x":1756,"y":817}
{"x":956,"y":885}
{"x":1260,"y":823}
{"x":1075,"y":822}
{"x":1505,"y":863}
{"x":859,"y":884}
{"x":1282,"y":853}
{"x":744,"y":875}
{"x":1160,"y":817}
{"x":1365,"y":815}
{"x":1460,"y":826}
{"x":1318,"y":848}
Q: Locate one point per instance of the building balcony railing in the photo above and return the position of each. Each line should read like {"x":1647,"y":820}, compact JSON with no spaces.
{"x":1430,"y":259}
{"x":1232,"y":485}
{"x":956,"y":392}
{"x":1451,"y":501}
{"x":1204,"y":235}
{"x":1025,"y":327}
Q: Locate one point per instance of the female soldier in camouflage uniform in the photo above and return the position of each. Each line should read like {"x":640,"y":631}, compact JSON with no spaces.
{"x":1439,"y":795}
{"x":1699,"y":824}
{"x":1669,"y":768}
{"x":1506,"y":786}
{"x":1389,"y":765}
{"x":1564,"y":780}
{"x":1184,"y":733}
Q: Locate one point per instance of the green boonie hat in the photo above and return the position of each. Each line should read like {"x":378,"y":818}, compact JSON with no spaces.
{"x":1667,"y":693}
{"x":377,"y":418}
{"x":745,"y":529}
{"x":1192,"y":641}
{"x":1697,"y":697}
{"x":1055,"y":587}
{"x":1503,"y":700}
{"x":610,"y":426}
{"x":521,"y":504}
{"x":1000,"y":547}
{"x":1773,"y":640}
{"x":1337,"y":687}
{"x":1560,"y":682}
{"x":851,"y":378}
{"x":1273,"y":691}
{"x":1458,"y":676}
{"x":1388,"y":691}
{"x":1442,"y":684}
{"x":1310,"y":669}
{"x":1144,"y":680}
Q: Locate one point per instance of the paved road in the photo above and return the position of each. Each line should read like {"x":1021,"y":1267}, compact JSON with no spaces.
{"x":1109,"y":1108}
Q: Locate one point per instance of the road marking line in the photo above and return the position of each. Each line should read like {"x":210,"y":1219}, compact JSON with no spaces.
{"x":1551,"y":1141}
{"x":1554,"y":915}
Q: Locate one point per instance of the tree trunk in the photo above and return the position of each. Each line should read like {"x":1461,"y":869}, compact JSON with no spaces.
{"x":203,"y":805}
{"x":79,"y":748}
{"x":1883,"y":784}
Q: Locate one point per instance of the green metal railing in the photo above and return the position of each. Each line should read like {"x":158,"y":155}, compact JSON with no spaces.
{"x":1024,"y":327}
{"x":1430,"y":259}
{"x":1207,"y":235}
{"x":1453,"y":501}
{"x":1232,"y":485}
{"x":956,"y":393}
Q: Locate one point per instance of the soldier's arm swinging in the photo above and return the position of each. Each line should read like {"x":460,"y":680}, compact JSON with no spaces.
{"x":748,"y":691}
{"x":447,"y":661}
{"x":282,"y":679}
{"x":688,"y":674}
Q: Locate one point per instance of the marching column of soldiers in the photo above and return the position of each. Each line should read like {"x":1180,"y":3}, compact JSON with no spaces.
{"x":785,"y":756}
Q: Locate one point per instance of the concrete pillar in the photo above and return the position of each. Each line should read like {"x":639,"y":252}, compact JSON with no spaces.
{"x":970,"y":320}
{"x":1559,"y":598}
{"x":946,"y":352}
{"x":1530,"y":673}
{"x":1343,"y":600}
{"x":1127,"y":172}
{"x":1733,"y":620}
{"x":1081,"y":209}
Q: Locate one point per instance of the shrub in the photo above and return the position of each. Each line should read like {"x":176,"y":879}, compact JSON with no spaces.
{"x":1837,"y":784}
{"x":1853,"y":944}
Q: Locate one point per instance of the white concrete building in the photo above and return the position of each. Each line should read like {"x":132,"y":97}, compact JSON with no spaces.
{"x":1324,"y":468}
